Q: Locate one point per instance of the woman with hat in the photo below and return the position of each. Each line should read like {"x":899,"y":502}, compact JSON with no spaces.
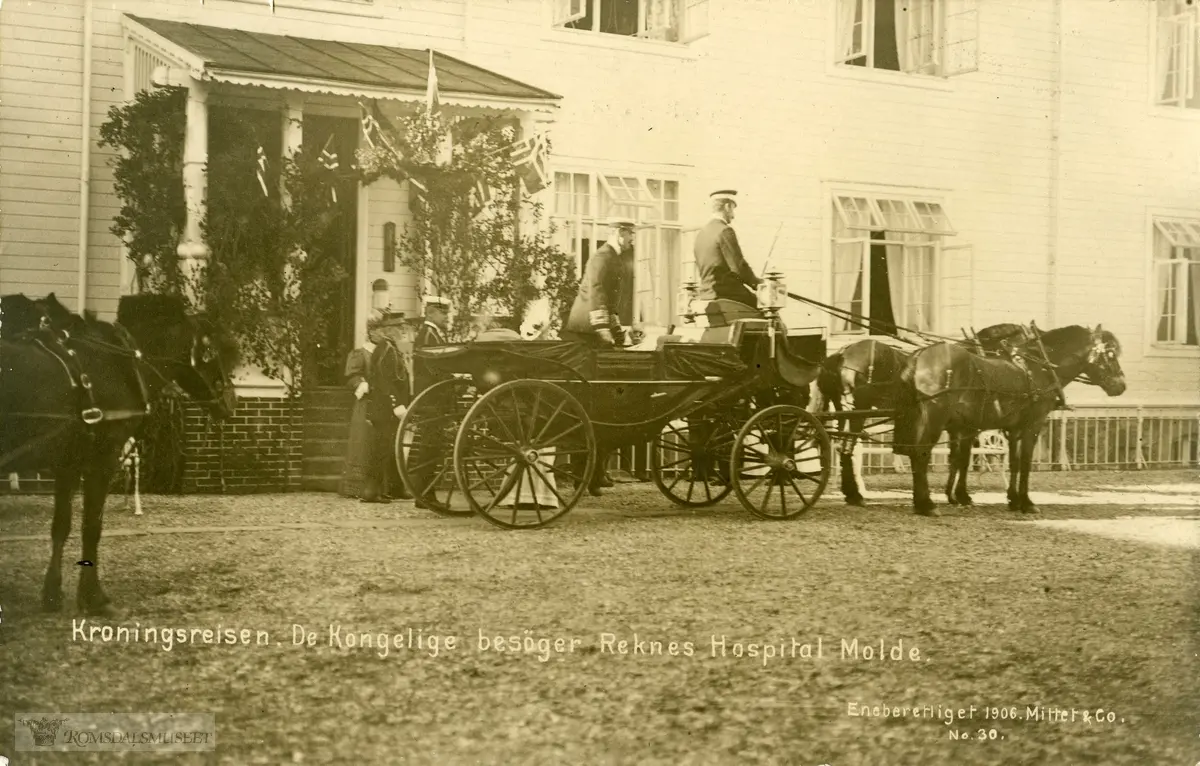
{"x":358,"y":372}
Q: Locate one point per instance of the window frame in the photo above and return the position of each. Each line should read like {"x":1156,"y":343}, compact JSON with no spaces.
{"x":940,"y":48}
{"x":1190,"y":15}
{"x":1155,"y":219}
{"x":687,"y":14}
{"x":653,"y":306}
{"x":860,"y":234}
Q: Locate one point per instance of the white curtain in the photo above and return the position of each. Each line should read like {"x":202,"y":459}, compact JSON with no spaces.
{"x":847,"y":281}
{"x":849,"y":11}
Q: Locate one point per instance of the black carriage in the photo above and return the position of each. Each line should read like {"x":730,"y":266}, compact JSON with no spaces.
{"x":514,"y":423}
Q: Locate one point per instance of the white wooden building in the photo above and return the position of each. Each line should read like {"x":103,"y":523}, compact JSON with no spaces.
{"x":991,"y":160}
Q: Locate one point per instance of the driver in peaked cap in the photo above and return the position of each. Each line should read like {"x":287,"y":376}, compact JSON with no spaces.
{"x":593,"y":317}
{"x":720,"y":266}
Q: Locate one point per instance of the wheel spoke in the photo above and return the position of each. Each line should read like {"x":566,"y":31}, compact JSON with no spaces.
{"x":561,"y":435}
{"x":792,"y":481}
{"x":766,"y":498}
{"x":517,"y":419}
{"x":557,"y":471}
{"x":550,"y":486}
{"x":486,"y":479}
{"x":553,"y":416}
{"x":502,"y":424}
{"x":537,"y":403}
{"x":758,"y":483}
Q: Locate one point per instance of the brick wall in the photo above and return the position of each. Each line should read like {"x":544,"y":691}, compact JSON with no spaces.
{"x":250,"y":452}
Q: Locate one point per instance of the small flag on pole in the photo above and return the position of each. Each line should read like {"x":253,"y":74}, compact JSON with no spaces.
{"x":433,"y":104}
{"x":261,"y":171}
{"x":329,"y":161}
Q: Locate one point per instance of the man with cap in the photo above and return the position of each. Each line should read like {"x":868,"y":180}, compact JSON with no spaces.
{"x":437,"y":321}
{"x":720,"y":266}
{"x":593,"y":318}
{"x":388,"y":397}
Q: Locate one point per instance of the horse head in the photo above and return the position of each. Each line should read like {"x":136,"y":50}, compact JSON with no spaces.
{"x":1103,"y":366}
{"x":188,"y":348}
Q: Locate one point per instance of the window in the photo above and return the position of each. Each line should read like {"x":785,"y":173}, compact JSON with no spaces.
{"x":891,"y":268}
{"x":1176,"y":70}
{"x":1177,"y":282}
{"x":681,"y":21}
{"x":931,"y":37}
{"x":583,"y":203}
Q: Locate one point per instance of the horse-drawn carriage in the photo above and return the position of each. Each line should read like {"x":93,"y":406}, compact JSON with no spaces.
{"x":512,"y":422}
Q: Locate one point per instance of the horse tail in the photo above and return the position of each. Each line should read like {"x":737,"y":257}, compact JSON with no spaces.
{"x":906,"y":404}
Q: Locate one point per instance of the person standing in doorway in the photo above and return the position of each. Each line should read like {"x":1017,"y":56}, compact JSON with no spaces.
{"x":358,"y":447}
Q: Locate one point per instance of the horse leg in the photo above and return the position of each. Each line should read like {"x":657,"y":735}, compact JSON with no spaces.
{"x":66,"y":481}
{"x":952,"y":468}
{"x":922,"y":503}
{"x":1028,"y":444}
{"x":966,"y":440}
{"x":1014,"y":468}
{"x":91,"y":597}
{"x":850,"y":488}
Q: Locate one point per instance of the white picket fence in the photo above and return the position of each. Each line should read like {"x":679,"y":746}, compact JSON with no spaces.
{"x":1092,"y":438}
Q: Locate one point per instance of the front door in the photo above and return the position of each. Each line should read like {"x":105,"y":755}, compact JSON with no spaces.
{"x":340,"y":137}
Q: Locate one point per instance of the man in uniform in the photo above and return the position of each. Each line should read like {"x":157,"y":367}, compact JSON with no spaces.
{"x":432,"y":332}
{"x":593,"y":317}
{"x":722,"y":270}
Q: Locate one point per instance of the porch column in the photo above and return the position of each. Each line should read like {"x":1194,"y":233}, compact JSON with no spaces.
{"x":192,"y":250}
{"x":293,"y":132}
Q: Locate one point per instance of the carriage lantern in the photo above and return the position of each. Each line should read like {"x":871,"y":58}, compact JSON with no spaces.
{"x":688,"y":293}
{"x":772,"y":292}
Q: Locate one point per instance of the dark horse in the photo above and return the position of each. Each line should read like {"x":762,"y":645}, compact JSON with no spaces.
{"x":74,"y":389}
{"x":865,"y":376}
{"x":946,"y":387}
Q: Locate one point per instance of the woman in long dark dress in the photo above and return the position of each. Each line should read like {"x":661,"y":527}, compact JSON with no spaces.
{"x":358,"y":448}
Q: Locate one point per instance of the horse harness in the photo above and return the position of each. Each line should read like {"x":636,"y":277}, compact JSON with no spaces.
{"x":54,"y":342}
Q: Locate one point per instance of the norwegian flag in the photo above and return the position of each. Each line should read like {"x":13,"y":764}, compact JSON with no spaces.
{"x":530,"y":158}
{"x":261,"y":171}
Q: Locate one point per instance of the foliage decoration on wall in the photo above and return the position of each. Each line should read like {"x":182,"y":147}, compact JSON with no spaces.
{"x":474,"y":234}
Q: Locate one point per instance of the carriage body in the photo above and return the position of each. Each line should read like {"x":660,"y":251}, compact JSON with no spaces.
{"x":495,"y":397}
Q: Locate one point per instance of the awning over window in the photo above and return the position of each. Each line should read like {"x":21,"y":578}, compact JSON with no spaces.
{"x":327,"y":66}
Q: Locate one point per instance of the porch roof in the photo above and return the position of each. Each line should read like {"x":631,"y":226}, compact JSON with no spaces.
{"x":330,"y":66}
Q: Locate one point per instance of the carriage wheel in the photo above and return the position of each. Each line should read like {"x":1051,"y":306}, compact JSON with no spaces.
{"x":694,"y":476}
{"x":423,"y":445}
{"x":512,"y":451}
{"x":781,"y":461}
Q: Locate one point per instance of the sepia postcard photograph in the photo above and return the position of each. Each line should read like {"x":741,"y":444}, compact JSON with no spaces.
{"x":614,"y":382}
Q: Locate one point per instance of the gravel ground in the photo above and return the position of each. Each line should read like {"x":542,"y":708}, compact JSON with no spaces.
{"x":1002,"y":615}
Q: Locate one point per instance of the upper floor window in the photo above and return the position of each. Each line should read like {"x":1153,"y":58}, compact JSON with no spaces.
{"x":1176,"y":69}
{"x":931,"y":37}
{"x":892,"y":270}
{"x":583,"y":204}
{"x":1176,"y":304}
{"x":680,"y":21}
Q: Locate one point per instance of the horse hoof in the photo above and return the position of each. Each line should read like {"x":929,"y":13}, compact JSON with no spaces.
{"x":951,"y":501}
{"x":1031,"y":508}
{"x":858,"y":502}
{"x":930,"y":511}
{"x":966,"y":501}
